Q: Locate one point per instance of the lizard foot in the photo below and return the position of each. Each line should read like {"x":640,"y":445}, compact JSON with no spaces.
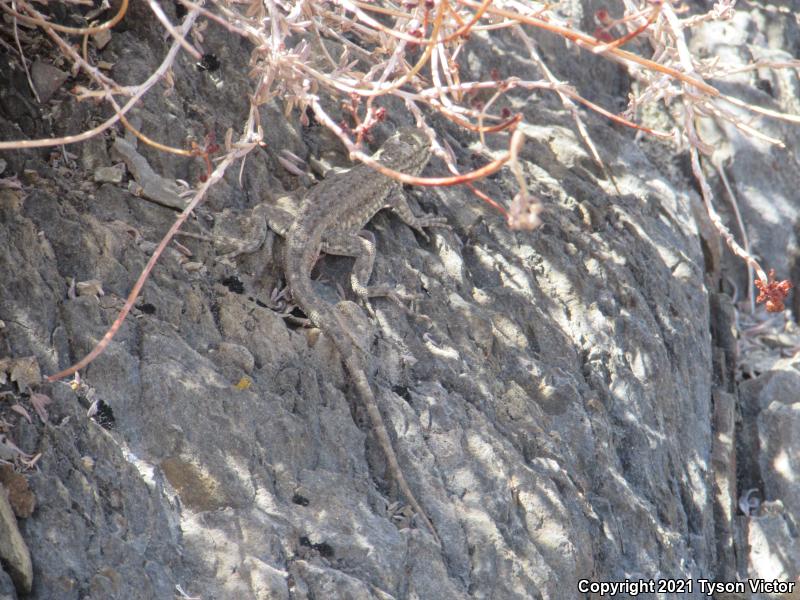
{"x":400,"y":297}
{"x":429,"y":221}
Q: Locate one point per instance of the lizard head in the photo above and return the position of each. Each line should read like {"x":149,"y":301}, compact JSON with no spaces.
{"x":408,"y":151}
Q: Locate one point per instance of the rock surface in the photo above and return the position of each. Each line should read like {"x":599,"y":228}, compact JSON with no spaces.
{"x":568,"y":410}
{"x":14,"y":554}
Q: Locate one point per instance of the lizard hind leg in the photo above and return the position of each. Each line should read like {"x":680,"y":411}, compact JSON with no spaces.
{"x":359,"y":278}
{"x":360,"y":246}
{"x":362,"y":271}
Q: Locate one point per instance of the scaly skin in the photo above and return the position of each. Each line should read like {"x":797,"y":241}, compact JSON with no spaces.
{"x":330,"y":219}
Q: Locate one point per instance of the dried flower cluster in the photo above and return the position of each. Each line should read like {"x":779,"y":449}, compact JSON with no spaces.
{"x":773,"y":292}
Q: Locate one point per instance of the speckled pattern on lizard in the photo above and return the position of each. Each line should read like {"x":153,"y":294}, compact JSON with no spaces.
{"x":331,"y":220}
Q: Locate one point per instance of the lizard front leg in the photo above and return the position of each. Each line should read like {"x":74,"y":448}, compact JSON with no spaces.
{"x":398,"y":203}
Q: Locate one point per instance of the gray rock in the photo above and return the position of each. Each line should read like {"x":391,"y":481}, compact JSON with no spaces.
{"x":779,"y":434}
{"x":774,"y":550}
{"x":101,"y":38}
{"x":561,"y":411}
{"x":14,"y":554}
{"x":153,"y":186}
{"x":46,"y":79}
{"x":7,"y":589}
{"x":113,"y":174}
{"x":94,"y":153}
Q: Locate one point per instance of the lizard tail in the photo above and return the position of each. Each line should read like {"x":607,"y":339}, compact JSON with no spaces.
{"x":359,"y":378}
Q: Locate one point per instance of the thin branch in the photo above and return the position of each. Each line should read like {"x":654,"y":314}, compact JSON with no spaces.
{"x":245,"y":146}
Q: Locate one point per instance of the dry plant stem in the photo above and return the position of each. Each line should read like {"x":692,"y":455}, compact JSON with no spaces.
{"x":367,"y":34}
{"x":692,"y":105}
{"x":509,"y":84}
{"x":353,"y":6}
{"x":147,"y":140}
{"x":762,"y":64}
{"x":232,"y":21}
{"x":408,"y":38}
{"x":475,"y":175}
{"x":494,"y":26}
{"x":177,"y":36}
{"x":39,"y":21}
{"x":586,"y":41}
{"x":629,"y":36}
{"x":710,"y":109}
{"x":215,"y":176}
{"x":352,"y":46}
{"x":742,"y":230}
{"x":321,"y":44}
{"x":85,"y":48}
{"x":24,"y":62}
{"x":355,"y":153}
{"x":276,"y":38}
{"x":619,"y":119}
{"x":110,"y":97}
{"x":447,"y":157}
{"x":509,"y":125}
{"x":488,"y":200}
{"x":439,"y":58}
{"x":676,"y":28}
{"x":91,"y":71}
{"x":397,"y":57}
{"x":568,"y":104}
{"x":440,"y":101}
{"x":381,"y":10}
{"x":484,"y":112}
{"x":464,"y":29}
{"x":416,"y":68}
{"x":708,"y":200}
{"x":517,"y":141}
{"x":761,"y":110}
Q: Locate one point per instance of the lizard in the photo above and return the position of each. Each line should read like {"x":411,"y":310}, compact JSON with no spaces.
{"x":331,"y":220}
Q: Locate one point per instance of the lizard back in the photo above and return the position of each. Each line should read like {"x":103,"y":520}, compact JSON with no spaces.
{"x":347,"y":201}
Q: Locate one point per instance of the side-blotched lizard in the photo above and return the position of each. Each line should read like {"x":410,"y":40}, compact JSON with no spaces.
{"x":331,"y":220}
